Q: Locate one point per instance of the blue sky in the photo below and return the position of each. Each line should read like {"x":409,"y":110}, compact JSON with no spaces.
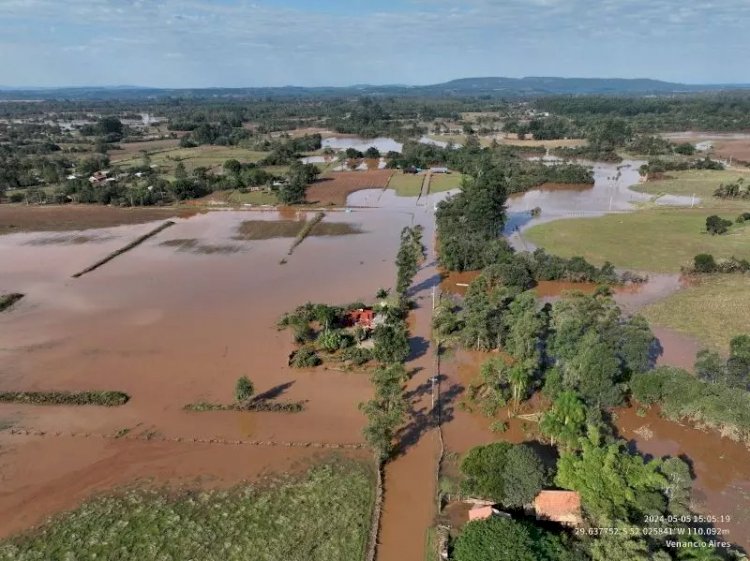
{"x":202,"y":43}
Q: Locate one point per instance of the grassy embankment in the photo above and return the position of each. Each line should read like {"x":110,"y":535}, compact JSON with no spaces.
{"x":323,"y":515}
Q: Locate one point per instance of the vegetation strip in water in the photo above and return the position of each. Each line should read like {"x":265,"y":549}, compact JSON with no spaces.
{"x":107,"y":399}
{"x":305,"y":231}
{"x":131,"y":245}
{"x":322,"y":515}
{"x":259,"y":407}
{"x":7,"y":300}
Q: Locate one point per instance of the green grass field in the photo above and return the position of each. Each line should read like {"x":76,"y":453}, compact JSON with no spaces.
{"x":201,"y":156}
{"x":656,"y":240}
{"x":252,"y":198}
{"x":445,"y":182}
{"x":323,"y":516}
{"x":405,"y":184}
{"x":701,"y":183}
{"x":714,"y":310}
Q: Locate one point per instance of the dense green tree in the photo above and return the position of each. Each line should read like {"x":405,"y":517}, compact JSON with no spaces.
{"x":565,"y":421}
{"x":504,"y":539}
{"x":613,"y":484}
{"x":386,"y":411}
{"x":510,"y":474}
{"x":679,"y":485}
{"x":595,"y":372}
{"x":391,"y":344}
{"x":525,"y":328}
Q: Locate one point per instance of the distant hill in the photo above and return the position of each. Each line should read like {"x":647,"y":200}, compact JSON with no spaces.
{"x":469,"y":87}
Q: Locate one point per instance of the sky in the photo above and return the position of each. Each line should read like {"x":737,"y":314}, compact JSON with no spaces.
{"x":242,"y":43}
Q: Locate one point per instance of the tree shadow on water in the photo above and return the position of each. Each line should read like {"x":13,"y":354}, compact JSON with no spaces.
{"x":274,"y":392}
{"x":423,"y":417}
{"x":418,"y":347}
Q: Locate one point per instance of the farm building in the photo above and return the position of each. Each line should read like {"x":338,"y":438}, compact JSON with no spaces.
{"x":563,"y":507}
{"x":363,"y":317}
{"x":485,"y":512}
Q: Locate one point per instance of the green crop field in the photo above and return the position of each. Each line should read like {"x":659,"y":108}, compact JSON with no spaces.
{"x":322,"y":516}
{"x":656,"y":240}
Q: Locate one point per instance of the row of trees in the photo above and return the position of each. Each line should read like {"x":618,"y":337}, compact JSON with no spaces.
{"x":386,"y":412}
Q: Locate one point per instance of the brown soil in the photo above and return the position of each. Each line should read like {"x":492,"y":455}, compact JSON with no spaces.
{"x":737,"y":150}
{"x":336,"y":187}
{"x":23,"y":218}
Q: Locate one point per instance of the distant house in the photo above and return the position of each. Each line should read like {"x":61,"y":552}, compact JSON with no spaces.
{"x":485,"y":512}
{"x":99,"y":177}
{"x":439,"y":170}
{"x":563,"y":507}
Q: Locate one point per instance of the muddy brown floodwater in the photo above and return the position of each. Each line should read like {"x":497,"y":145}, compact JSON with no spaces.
{"x":721,"y":467}
{"x":172,"y":327}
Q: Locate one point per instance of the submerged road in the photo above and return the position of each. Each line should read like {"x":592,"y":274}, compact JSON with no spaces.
{"x":410,"y":478}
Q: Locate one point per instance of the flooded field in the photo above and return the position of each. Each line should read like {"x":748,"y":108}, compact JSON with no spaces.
{"x":609,"y":193}
{"x":721,"y":467}
{"x":172,"y":327}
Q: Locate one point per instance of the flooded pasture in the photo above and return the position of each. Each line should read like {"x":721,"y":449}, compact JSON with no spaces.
{"x":172,"y":327}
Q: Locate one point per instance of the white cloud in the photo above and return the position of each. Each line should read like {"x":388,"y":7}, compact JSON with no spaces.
{"x":431,"y":40}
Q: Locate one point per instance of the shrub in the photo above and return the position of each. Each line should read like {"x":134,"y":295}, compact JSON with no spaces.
{"x":357,"y":355}
{"x":744,"y":217}
{"x":243,"y":389}
{"x":304,"y":358}
{"x":704,"y":263}
{"x":716,"y":225}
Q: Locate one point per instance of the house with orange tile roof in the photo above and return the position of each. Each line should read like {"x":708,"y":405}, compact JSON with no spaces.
{"x":563,"y":507}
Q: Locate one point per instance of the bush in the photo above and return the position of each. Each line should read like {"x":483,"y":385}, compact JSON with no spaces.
{"x":357,"y":355}
{"x":304,"y":358}
{"x":243,"y":389}
{"x":744,"y":217}
{"x":704,"y":263}
{"x":716,"y":225}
